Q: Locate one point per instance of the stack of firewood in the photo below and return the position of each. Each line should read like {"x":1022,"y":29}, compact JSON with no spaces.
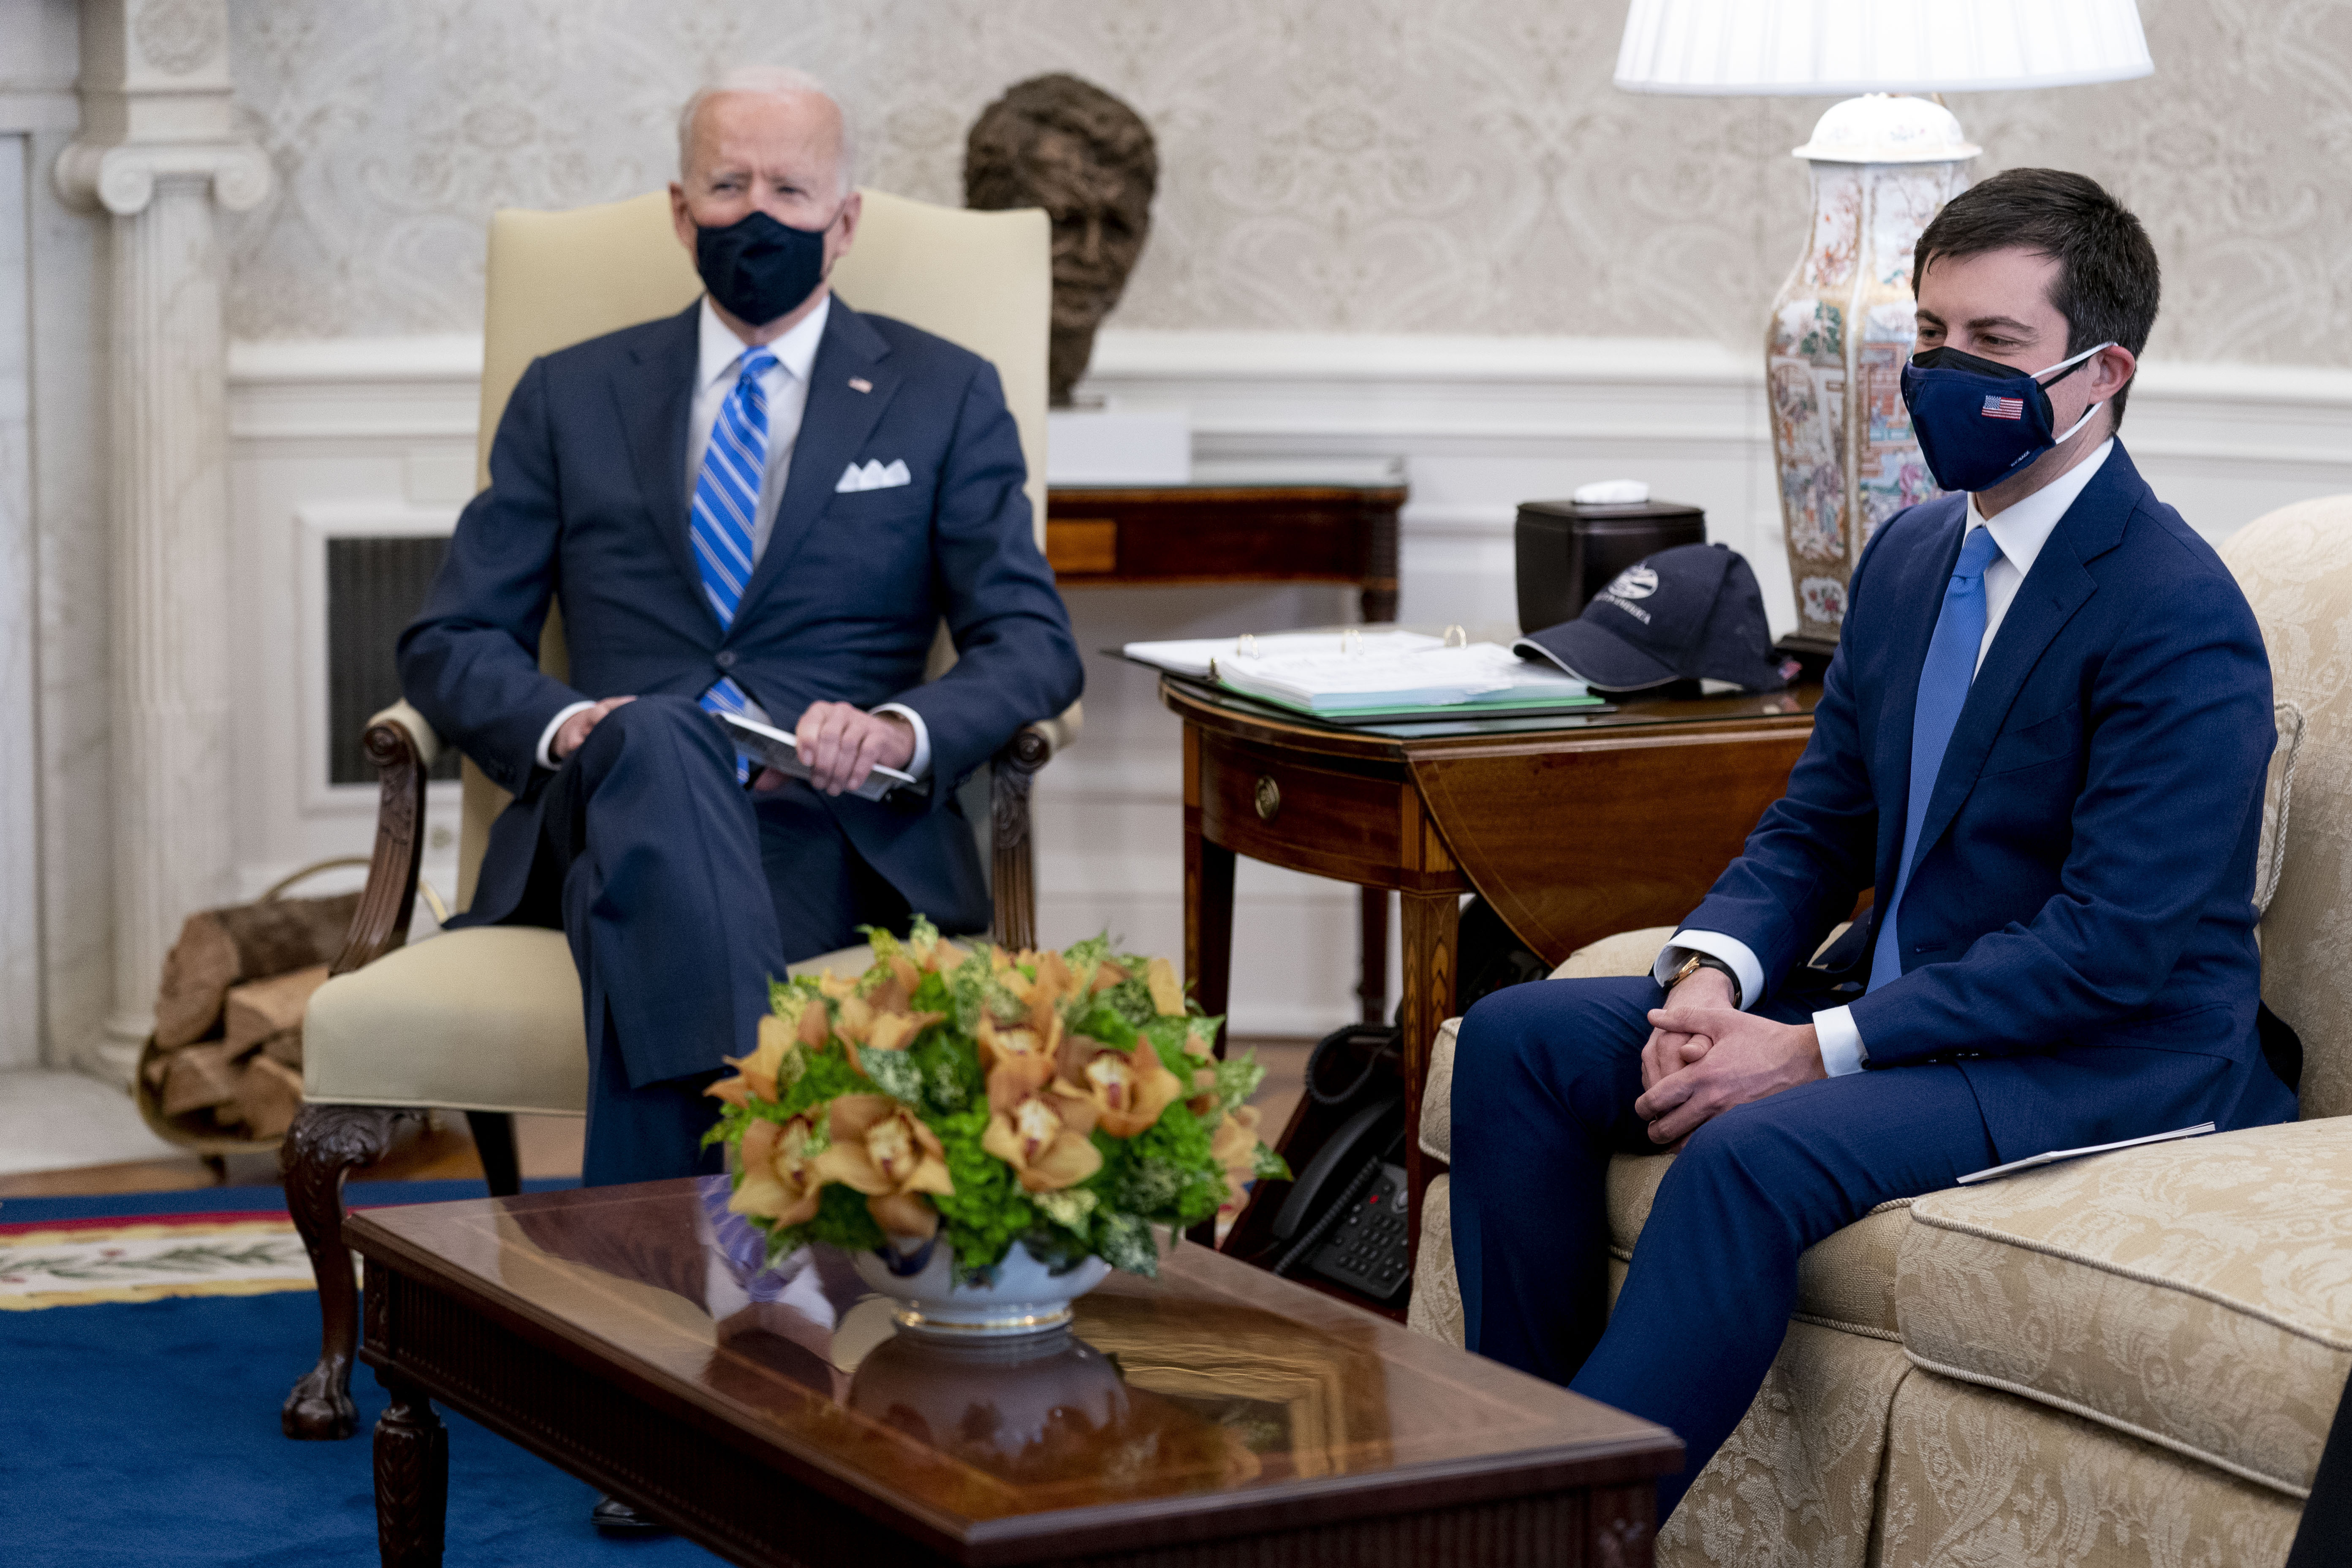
{"x":227,"y":1058}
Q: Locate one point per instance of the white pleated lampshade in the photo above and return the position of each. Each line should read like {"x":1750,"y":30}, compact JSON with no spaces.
{"x":1741,"y":48}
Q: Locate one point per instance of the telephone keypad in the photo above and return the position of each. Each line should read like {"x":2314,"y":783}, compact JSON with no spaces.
{"x":1367,"y":1251}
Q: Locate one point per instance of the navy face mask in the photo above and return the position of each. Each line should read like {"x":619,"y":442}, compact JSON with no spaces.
{"x":759,"y":269}
{"x":1980,"y":421}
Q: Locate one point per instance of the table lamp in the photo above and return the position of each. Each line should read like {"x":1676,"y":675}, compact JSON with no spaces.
{"x":1882,"y":167}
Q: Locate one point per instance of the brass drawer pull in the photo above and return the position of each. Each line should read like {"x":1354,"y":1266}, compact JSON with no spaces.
{"x":1269,"y":798}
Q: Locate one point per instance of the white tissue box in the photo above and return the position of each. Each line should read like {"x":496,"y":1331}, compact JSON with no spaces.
{"x":1117,"y":447}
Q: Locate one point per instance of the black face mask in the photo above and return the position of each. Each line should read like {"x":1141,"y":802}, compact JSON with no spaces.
{"x":759,"y":269}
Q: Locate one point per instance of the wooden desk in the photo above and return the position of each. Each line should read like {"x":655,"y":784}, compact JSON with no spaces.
{"x":1323,"y":531}
{"x":1599,"y":825}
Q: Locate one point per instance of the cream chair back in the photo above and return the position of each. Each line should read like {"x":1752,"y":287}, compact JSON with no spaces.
{"x":982,"y":279}
{"x":2295,"y":566}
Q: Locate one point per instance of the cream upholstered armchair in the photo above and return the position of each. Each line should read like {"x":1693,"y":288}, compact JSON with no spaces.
{"x":2129,"y":1358}
{"x":489,"y":1021}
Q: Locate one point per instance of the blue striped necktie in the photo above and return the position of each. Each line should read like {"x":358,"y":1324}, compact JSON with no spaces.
{"x":726,"y":504}
{"x":1944,"y":681}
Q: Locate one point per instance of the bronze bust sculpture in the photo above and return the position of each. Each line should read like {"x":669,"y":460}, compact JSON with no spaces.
{"x":1067,"y":146}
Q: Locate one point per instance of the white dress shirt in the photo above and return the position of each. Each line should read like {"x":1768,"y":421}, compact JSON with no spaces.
{"x":719,"y":365}
{"x":2019,"y":532}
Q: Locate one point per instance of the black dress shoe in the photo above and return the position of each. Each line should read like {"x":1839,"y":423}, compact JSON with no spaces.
{"x":610,"y":1513}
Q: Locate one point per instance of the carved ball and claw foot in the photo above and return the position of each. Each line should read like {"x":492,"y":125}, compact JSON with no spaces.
{"x":325,"y":1143}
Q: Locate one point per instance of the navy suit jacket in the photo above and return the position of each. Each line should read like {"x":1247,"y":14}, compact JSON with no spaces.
{"x":2078,"y":933}
{"x":587,"y":505}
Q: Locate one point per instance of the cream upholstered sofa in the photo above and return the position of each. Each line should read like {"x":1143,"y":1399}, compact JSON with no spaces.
{"x":489,"y":1021}
{"x":2129,"y":1358}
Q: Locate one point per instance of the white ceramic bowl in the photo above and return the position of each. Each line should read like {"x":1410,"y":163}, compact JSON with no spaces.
{"x":1021,"y":1298}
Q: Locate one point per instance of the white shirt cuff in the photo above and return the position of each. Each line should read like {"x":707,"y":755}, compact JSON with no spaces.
{"x":546,"y":756}
{"x":921,"y":763}
{"x":1841,"y":1039}
{"x":1715,"y":944}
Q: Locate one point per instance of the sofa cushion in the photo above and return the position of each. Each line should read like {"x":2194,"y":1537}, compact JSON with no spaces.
{"x":487,"y":1019}
{"x":2196,"y":1294}
{"x":1975,"y":1478}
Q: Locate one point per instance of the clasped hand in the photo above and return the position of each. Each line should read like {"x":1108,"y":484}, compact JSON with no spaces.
{"x":1705,"y":1056}
{"x":840,"y":743}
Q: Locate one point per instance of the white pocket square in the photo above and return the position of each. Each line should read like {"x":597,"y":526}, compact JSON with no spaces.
{"x":874,"y":476}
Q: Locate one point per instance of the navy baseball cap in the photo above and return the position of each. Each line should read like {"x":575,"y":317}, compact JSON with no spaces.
{"x":1691,"y":613}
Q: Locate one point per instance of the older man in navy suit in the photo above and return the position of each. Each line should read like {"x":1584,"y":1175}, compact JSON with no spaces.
{"x":763,"y":506}
{"x":2041,"y":744}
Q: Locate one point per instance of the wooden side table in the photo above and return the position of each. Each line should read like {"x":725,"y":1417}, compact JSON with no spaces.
{"x":1322,"y":523}
{"x":1572,"y":829}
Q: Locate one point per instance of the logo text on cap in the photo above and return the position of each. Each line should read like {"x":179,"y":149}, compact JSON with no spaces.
{"x":1633,"y":583}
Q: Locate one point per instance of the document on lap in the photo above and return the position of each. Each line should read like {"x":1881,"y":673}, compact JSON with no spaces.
{"x":778,"y":748}
{"x":2057,"y":1155}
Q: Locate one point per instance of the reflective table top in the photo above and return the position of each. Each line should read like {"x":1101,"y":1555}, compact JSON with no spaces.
{"x":1216,"y":1381}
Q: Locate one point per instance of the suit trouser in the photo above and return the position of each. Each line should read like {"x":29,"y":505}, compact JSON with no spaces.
{"x":682,"y":894}
{"x":1545,"y":1078}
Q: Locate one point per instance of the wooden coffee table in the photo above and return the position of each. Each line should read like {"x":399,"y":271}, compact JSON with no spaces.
{"x":1216,"y":1415}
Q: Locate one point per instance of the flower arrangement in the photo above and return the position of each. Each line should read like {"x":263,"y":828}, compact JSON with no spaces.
{"x":1066,"y":1100}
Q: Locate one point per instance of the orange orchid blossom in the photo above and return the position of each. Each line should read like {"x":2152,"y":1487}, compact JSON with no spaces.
{"x":882,"y":1149}
{"x":1041,"y":1136}
{"x":1125,"y":1089}
{"x":779,"y":1183}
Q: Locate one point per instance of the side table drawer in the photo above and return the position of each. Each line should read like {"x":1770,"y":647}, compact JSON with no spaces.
{"x":1318,"y":820}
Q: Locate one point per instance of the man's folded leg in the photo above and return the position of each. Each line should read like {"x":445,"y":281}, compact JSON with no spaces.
{"x":670,"y":924}
{"x":1545,"y":1077}
{"x":1714,"y":1277}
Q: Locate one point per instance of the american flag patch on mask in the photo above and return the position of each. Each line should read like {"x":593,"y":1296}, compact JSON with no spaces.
{"x":2003,"y":407}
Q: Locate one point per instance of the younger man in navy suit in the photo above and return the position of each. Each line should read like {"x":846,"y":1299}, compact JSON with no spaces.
{"x":2042,"y":744}
{"x":764,"y":505}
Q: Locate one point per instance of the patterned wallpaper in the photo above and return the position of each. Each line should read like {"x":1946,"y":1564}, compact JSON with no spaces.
{"x":1336,"y":165}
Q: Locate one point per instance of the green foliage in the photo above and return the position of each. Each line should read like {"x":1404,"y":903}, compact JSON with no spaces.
{"x":1237,"y":1080}
{"x":842,"y":1221}
{"x":988,"y":1209}
{"x":1132,"y":1000}
{"x":1271,"y":1166}
{"x":1123,"y":1241}
{"x":895,"y":1073}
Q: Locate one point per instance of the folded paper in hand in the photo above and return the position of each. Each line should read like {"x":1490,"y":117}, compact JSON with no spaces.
{"x":777,"y":749}
{"x":874,"y":476}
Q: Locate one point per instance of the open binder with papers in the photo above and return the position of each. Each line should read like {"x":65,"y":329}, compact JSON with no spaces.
{"x":1350,"y":674}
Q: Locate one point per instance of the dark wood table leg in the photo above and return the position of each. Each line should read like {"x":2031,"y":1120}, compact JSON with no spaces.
{"x":1622,"y":1525}
{"x":1208,"y":921}
{"x":1372,"y":986}
{"x":1432,"y":925}
{"x":1208,"y":900}
{"x":412,"y":1477}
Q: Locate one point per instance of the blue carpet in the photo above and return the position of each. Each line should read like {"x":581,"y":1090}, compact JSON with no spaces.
{"x":148,"y":1434}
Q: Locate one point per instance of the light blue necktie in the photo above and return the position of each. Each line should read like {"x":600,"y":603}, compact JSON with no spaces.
{"x":1944,"y":681}
{"x":726,"y":503}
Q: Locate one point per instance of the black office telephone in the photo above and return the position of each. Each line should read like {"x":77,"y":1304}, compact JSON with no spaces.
{"x":1344,"y":1216}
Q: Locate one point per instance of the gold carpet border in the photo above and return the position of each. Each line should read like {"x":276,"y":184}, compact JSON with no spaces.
{"x":39,"y":1300}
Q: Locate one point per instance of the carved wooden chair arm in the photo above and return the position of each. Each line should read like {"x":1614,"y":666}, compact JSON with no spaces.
{"x":402,"y":746}
{"x":1012,"y":871}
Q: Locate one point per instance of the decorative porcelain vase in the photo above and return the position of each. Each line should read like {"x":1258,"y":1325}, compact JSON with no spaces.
{"x":1021,"y":1296}
{"x":1841,"y":331}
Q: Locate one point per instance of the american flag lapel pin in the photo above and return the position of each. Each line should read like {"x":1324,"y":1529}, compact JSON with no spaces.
{"x":859,"y":384}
